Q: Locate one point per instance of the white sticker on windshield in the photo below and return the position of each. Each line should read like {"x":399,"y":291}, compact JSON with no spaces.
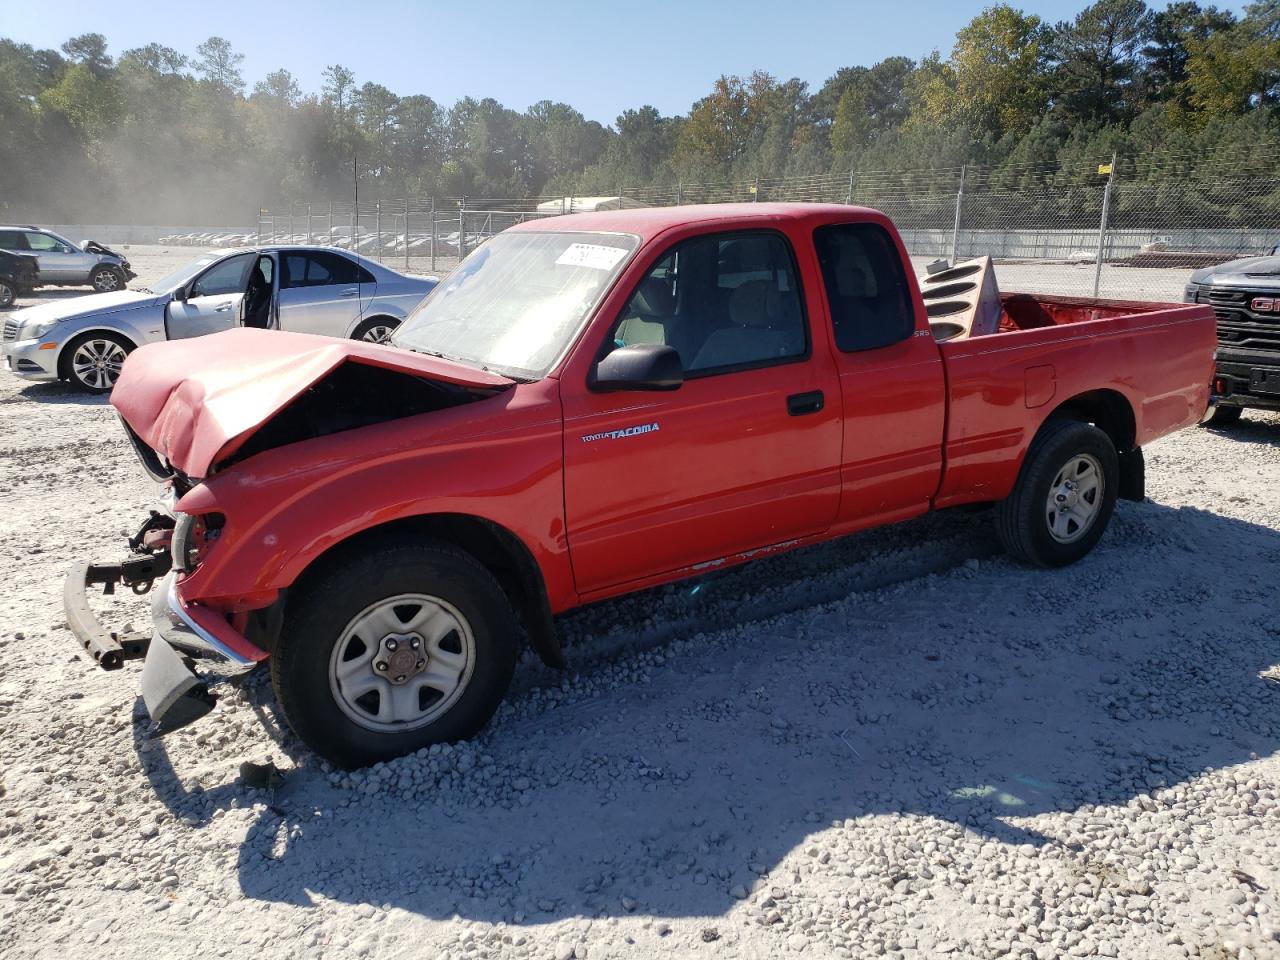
{"x":591,"y":255}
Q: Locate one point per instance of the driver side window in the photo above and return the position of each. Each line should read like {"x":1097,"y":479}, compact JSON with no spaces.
{"x":725,"y":302}
{"x":228,"y":276}
{"x":43,"y":243}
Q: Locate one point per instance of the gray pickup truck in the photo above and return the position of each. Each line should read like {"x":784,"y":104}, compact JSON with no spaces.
{"x":1245,"y":296}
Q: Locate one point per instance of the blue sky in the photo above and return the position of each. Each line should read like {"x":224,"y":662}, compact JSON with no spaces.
{"x":601,"y":56}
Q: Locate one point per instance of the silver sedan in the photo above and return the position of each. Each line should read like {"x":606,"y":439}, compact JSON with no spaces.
{"x":305,"y":289}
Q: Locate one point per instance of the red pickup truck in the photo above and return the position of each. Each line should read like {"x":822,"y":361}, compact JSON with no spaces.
{"x":591,"y":405}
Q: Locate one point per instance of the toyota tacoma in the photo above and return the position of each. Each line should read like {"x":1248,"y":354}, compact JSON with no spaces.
{"x":588,"y":406}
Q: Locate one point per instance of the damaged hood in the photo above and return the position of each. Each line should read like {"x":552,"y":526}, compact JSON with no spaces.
{"x":196,"y":401}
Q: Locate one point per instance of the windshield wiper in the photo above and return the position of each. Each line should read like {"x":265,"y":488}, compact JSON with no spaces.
{"x":439,"y":355}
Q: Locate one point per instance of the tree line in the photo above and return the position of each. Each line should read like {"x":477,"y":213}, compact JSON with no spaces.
{"x":158,"y":135}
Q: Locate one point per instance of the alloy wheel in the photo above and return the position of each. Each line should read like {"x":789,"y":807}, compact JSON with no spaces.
{"x":380,"y":333}
{"x":97,"y":363}
{"x":106,"y":281}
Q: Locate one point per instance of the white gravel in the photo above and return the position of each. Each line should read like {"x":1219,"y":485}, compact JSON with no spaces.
{"x":896,"y":745}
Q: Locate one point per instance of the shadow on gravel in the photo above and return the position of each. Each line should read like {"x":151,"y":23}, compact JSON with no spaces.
{"x":977,"y":698}
{"x":60,"y":392}
{"x":1251,"y":428}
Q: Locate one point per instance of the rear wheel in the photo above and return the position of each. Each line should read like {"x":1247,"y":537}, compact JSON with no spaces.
{"x":7,"y":295}
{"x":1220,"y":415}
{"x":376,"y":330}
{"x":404,"y":644}
{"x":106,"y":279}
{"x":92,"y":363}
{"x":1064,"y":498}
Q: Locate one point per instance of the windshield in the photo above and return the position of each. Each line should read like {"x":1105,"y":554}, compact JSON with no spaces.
{"x":516,"y":304}
{"x":176,"y":279}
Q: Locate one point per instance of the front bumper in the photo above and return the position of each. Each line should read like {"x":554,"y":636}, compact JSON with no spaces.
{"x":183,"y":637}
{"x":25,"y":359}
{"x":1247,"y":379}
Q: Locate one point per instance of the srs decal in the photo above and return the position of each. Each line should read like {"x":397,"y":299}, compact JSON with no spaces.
{"x":624,"y":432}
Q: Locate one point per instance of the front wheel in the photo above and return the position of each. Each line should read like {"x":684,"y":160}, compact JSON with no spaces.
{"x":7,"y":295}
{"x":376,"y":330}
{"x":106,"y":279}
{"x":92,"y":363}
{"x":1064,"y":497}
{"x":402,"y":645}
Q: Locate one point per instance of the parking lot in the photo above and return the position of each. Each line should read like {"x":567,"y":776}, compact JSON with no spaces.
{"x":897,"y":744}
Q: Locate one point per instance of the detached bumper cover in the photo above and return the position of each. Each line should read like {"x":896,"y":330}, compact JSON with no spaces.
{"x":184,"y":637}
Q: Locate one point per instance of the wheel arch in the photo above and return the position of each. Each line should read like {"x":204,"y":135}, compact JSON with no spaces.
{"x":115,"y":268}
{"x":380,"y":314}
{"x":500,"y":551}
{"x":64,"y":352}
{"x":1108,"y":410}
{"x":1112,"y":413}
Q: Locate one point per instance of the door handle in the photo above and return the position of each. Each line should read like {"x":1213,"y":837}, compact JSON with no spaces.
{"x":349,"y":293}
{"x":222,"y":307}
{"x":798,"y":404}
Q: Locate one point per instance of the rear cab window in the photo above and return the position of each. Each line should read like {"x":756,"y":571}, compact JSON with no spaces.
{"x":866,"y":286}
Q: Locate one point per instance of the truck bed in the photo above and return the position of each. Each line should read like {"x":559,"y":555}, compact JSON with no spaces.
{"x":1026,"y":311}
{"x":1155,"y":357}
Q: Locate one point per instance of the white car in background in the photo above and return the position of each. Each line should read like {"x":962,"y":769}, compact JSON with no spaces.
{"x":318,"y":290}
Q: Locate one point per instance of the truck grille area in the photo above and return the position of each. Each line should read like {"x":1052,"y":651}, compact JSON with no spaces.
{"x":1238,"y":325}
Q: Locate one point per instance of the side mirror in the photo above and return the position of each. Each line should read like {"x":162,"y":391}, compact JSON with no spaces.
{"x":640,"y":366}
{"x":181,"y":294}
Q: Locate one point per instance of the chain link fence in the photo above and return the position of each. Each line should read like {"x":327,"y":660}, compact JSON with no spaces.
{"x":1122,"y":228}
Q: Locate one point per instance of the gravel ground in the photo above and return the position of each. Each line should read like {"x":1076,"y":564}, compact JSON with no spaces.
{"x":900,"y":744}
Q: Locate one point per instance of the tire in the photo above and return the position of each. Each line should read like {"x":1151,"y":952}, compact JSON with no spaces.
{"x":323,"y":669}
{"x":7,"y":295}
{"x":1221,"y":415}
{"x":106,"y":280}
{"x":376,"y":329}
{"x":1063,"y":458}
{"x":92,"y":362}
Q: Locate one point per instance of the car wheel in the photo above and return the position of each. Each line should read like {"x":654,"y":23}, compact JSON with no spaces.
{"x":1064,"y":497}
{"x":376,"y":330}
{"x":106,"y":279}
{"x":7,"y":295}
{"x":386,"y":651}
{"x":92,"y":363}
{"x":1221,"y":415}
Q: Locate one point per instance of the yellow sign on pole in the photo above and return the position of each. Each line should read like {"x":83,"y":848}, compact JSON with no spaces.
{"x":1104,"y":169}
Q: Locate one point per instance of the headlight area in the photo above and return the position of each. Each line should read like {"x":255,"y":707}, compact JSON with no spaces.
{"x":193,"y":538}
{"x":34,"y":331}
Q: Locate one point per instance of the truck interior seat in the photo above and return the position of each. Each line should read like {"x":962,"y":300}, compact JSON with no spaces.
{"x":762,"y":325}
{"x":651,"y":309}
